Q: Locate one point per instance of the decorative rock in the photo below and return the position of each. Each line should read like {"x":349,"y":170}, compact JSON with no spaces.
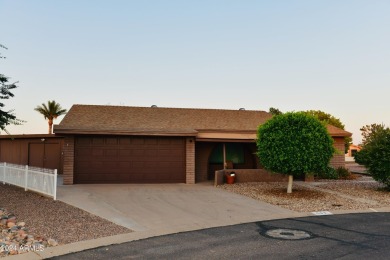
{"x":12,"y":217}
{"x":13,"y":252}
{"x":10,"y":224}
{"x":14,"y":234}
{"x":13,"y":220}
{"x":14,"y":228}
{"x":52,"y":242}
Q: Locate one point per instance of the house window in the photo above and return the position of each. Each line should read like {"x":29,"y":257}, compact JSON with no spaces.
{"x":234,"y":153}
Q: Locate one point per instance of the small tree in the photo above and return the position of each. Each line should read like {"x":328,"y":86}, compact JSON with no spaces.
{"x":369,"y":132}
{"x":50,"y":112}
{"x":6,"y":117}
{"x":294,"y":144}
{"x":331,"y":120}
{"x":275,"y":111}
{"x":375,"y":154}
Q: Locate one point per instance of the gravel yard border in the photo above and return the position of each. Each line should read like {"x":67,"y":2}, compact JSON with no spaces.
{"x":48,"y":218}
{"x":323,"y":195}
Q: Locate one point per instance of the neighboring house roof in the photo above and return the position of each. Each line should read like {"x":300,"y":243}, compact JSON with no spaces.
{"x":335,"y":131}
{"x":91,"y":119}
{"x":354,"y":146}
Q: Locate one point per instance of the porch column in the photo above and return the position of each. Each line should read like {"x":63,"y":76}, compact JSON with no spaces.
{"x":224,"y":156}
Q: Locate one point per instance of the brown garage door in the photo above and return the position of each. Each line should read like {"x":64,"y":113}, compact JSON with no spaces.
{"x":129,"y":159}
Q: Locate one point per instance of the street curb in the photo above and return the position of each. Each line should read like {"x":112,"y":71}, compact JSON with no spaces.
{"x":133,"y":236}
{"x":138,"y":235}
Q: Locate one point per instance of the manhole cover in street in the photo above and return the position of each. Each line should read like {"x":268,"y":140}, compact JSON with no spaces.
{"x":290,"y":234}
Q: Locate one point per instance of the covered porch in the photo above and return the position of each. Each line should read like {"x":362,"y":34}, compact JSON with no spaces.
{"x":211,"y":156}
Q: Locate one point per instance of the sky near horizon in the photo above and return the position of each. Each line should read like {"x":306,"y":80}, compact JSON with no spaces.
{"x":328,"y":55}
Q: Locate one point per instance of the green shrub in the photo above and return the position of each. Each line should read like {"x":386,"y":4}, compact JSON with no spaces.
{"x":334,"y":174}
{"x":328,"y":173}
{"x":343,"y":173}
{"x":375,"y":156}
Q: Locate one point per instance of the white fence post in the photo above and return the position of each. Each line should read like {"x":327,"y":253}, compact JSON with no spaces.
{"x":26,"y":178}
{"x":5,"y":166}
{"x":55,"y":185}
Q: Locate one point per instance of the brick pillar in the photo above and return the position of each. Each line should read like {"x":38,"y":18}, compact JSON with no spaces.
{"x":68,"y":160}
{"x":339,"y":158}
{"x":190,"y":160}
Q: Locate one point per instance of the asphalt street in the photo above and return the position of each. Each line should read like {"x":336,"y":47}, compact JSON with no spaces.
{"x":350,"y":236}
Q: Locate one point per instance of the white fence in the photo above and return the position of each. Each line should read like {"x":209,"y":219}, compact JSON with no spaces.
{"x":30,"y":178}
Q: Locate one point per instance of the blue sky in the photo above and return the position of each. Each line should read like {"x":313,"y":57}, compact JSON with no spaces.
{"x":294,"y":55}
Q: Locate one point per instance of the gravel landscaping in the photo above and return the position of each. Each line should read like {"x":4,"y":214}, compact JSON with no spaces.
{"x":45,"y":218}
{"x":362,"y":193}
{"x":368,"y":190}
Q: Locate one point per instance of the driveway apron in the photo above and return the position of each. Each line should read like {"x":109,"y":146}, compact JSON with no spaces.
{"x":168,"y":207}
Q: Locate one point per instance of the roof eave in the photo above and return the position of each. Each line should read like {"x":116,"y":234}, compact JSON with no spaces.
{"x":122,"y":132}
{"x":347,"y":134}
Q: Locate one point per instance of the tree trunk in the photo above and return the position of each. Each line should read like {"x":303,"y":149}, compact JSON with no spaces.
{"x":290,"y":182}
{"x":50,"y":126}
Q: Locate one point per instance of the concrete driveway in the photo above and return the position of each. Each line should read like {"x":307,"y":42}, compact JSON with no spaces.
{"x":168,"y":208}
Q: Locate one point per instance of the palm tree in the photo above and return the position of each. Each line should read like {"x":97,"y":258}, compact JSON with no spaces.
{"x":50,"y":112}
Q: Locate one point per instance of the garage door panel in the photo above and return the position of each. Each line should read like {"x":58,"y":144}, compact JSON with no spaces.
{"x":129,"y":159}
{"x":172,"y":154}
{"x":124,"y":152}
{"x":124,"y":165}
{"x":164,"y":164}
{"x":83,"y":165}
{"x":151,"y":165}
{"x":137,"y":165}
{"x":138,"y":152}
{"x":151,"y":141}
{"x":164,"y":141}
{"x":124,"y":140}
{"x":97,"y":152}
{"x":125,"y":177}
{"x":83,"y":152}
{"x":137,"y":140}
{"x":111,"y":152}
{"x":150,"y":153}
{"x":83,"y":141}
{"x":111,"y":141}
{"x":109,"y":165}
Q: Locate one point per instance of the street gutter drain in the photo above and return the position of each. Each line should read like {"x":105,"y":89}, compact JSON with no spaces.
{"x":289,"y":234}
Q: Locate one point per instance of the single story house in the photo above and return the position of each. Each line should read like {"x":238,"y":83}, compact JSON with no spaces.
{"x":119,"y":144}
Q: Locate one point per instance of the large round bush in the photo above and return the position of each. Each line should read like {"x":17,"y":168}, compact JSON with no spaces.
{"x":295,"y":144}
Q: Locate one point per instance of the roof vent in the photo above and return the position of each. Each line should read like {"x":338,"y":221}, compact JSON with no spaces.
{"x":242,"y":108}
{"x":154,"y":106}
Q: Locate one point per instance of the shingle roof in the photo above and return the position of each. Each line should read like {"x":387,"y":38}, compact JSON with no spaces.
{"x":184,"y":121}
{"x":335,"y":131}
